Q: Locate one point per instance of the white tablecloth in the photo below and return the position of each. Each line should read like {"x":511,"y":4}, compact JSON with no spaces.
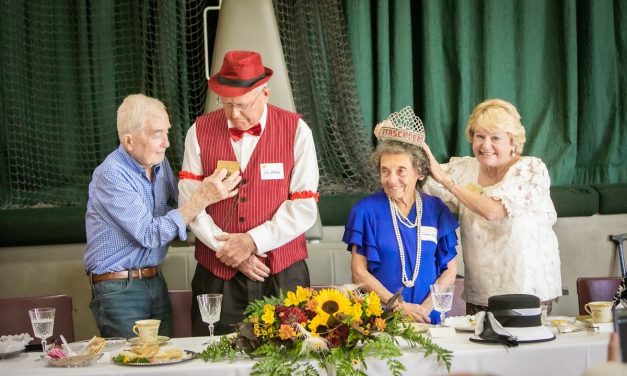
{"x":569,"y":355}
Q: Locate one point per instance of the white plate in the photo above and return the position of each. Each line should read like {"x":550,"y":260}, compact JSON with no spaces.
{"x":469,"y":328}
{"x":138,"y":341}
{"x":461,"y":323}
{"x":557,"y":320}
{"x":187,"y":355}
{"x":420,"y":327}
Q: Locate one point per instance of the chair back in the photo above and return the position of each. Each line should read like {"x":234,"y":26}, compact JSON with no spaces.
{"x":14,"y":318}
{"x":591,"y":289}
{"x":459,"y":305}
{"x":181,"y":312}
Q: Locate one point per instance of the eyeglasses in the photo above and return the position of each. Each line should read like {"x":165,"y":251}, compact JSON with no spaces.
{"x":237,"y":106}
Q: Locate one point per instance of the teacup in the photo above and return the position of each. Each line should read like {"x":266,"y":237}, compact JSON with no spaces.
{"x":147,"y":330}
{"x":600,"y":311}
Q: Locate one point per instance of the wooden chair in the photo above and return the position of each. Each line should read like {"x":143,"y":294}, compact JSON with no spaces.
{"x":459,"y":304}
{"x":181,"y":312}
{"x":592,"y":289}
{"x":14,"y":318}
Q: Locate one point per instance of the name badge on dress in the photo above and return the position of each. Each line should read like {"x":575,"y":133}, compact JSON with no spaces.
{"x":428,"y":233}
{"x":272,"y":171}
{"x":474,"y":188}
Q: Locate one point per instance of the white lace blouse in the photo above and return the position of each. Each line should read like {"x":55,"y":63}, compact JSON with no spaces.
{"x":516,"y":254}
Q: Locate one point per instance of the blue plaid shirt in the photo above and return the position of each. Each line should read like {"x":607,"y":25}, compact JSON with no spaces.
{"x":130,"y":220}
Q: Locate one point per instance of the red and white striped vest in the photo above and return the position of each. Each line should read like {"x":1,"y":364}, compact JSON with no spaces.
{"x":258,"y":199}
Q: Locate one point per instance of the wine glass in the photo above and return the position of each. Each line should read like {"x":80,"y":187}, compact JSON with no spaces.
{"x":42,"y":320}
{"x":210,"y":306}
{"x":442,"y":298}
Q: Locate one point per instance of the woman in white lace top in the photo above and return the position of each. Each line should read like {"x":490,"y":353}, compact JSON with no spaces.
{"x":505,"y":210}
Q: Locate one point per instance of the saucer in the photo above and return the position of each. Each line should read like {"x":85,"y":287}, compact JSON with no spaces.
{"x":419,"y":327}
{"x":138,"y":341}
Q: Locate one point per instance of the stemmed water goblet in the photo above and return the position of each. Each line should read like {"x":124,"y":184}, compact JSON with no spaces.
{"x":442,"y":298}
{"x":42,"y":320}
{"x":210,"y":306}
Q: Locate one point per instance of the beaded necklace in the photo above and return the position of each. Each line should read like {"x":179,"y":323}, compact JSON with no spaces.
{"x":401,"y":250}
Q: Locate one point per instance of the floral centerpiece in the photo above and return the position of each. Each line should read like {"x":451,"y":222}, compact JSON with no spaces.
{"x":337,"y":327}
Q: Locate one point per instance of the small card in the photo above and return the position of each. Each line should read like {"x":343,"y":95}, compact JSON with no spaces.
{"x":230,"y":166}
{"x":272,"y":171}
{"x":441,"y":331}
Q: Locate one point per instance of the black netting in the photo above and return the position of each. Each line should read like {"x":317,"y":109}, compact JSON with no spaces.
{"x":315,"y":45}
{"x":66,"y":66}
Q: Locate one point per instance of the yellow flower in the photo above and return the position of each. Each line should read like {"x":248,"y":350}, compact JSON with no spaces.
{"x":373,"y":307}
{"x":303,"y":294}
{"x":355,"y":312}
{"x":286,"y":332}
{"x":293,"y":299}
{"x":268,"y":314}
{"x":331,"y":301}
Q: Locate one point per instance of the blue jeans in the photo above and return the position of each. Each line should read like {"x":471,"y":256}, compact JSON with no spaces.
{"x":117,"y":304}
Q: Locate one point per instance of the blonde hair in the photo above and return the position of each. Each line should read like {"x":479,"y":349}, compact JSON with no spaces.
{"x":497,"y":115}
{"x":133,"y":111}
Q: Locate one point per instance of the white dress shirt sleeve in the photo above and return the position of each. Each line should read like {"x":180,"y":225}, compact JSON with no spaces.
{"x":203,"y":226}
{"x":293,"y":217}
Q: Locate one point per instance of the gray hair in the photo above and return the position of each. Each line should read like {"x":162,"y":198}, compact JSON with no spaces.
{"x":419,"y":159}
{"x":133,"y":111}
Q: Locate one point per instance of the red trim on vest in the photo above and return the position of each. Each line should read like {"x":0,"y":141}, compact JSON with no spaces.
{"x":304,"y":194}
{"x":190,"y":176}
{"x":257,"y":200}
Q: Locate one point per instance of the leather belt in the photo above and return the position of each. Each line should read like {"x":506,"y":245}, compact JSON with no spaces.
{"x":126,"y":274}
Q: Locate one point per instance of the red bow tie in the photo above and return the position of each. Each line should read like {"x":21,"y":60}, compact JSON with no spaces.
{"x":237,"y":134}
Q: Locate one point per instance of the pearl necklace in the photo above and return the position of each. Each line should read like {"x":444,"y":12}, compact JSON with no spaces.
{"x":401,"y":250}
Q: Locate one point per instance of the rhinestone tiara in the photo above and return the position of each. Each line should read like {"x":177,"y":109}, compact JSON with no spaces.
{"x":402,"y":126}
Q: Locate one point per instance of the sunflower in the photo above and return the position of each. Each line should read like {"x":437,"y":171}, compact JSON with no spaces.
{"x":331,"y":301}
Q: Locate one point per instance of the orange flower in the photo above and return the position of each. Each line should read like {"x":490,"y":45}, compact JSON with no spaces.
{"x":287,"y":332}
{"x":379,"y":323}
{"x":311,"y":305}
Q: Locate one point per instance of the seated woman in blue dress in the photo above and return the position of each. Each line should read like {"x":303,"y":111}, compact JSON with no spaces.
{"x":399,"y":236}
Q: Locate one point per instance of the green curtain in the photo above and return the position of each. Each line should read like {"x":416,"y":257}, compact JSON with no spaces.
{"x":562,"y":63}
{"x":380,"y":34}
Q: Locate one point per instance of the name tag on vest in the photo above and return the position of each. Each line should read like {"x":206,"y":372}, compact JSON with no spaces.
{"x":428,"y":233}
{"x":272,"y":171}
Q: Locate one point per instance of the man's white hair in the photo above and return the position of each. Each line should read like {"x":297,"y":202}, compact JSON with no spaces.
{"x":133,"y":111}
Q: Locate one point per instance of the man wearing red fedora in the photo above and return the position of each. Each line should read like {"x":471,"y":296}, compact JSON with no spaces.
{"x":253,"y":244}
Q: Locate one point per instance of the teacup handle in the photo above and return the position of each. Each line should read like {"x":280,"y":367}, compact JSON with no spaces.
{"x":135,"y":329}
{"x":586,"y":307}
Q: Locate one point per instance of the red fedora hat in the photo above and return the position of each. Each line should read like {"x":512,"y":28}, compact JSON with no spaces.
{"x":241,"y":72}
